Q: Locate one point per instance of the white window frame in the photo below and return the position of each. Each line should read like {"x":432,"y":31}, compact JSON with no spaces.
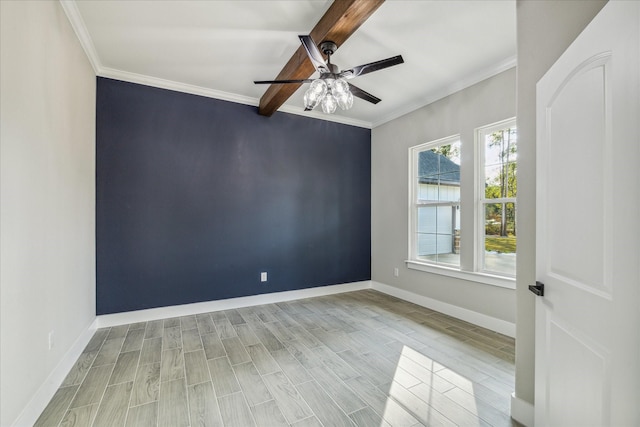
{"x":413,"y":198}
{"x":467,"y":271}
{"x":481,"y":200}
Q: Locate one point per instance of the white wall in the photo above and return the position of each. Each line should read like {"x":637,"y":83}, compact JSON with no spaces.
{"x":545,"y":30}
{"x":484,"y":103}
{"x":47,"y":150}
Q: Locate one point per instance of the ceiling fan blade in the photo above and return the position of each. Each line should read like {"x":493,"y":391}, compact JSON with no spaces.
{"x":371,"y":67}
{"x":356,"y":91}
{"x":314,"y":54}
{"x":262,"y":82}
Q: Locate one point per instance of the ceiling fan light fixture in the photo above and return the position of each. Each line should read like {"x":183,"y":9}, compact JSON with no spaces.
{"x":331,"y":89}
{"x":311,"y":99}
{"x":318,"y":86}
{"x":329,"y":103}
{"x":345,"y":100}
{"x":330,"y":93}
{"x":314,"y":94}
{"x":339,"y":87}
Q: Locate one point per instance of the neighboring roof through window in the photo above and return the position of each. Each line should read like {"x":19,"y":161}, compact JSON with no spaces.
{"x":434,"y":168}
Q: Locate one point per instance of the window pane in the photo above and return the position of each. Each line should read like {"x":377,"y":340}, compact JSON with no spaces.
{"x":500,"y":155}
{"x":438,"y":237}
{"x":446,"y":219}
{"x":449,"y":187}
{"x":500,"y":181}
{"x":439,"y":173}
{"x":427,"y":219}
{"x":501,"y":147}
{"x":429,"y":178}
{"x":437,"y":234}
{"x":500,"y":238}
{"x":439,"y":248}
{"x":443,"y":220}
{"x":427,"y":192}
{"x":445,"y":244}
{"x":512,"y":179}
{"x":427,"y":245}
{"x":493,"y":188}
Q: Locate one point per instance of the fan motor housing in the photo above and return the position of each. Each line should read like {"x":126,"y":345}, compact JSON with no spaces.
{"x":333,"y":70}
{"x":328,"y":47}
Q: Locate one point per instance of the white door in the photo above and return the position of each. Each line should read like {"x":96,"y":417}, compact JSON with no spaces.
{"x":588,"y":232}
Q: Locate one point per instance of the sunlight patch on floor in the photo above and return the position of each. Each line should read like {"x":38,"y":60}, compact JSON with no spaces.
{"x":417,"y":388}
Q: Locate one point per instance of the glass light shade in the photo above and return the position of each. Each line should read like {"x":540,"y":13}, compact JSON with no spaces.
{"x":339,"y":87}
{"x":329,"y":81}
{"x":329,"y":103}
{"x":345,"y":100}
{"x":318,"y":86}
{"x":311,"y":99}
{"x":314,"y":94}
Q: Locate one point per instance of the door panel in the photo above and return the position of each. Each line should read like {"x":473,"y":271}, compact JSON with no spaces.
{"x":577,"y":117}
{"x":588,"y":227}
{"x":580,"y":355}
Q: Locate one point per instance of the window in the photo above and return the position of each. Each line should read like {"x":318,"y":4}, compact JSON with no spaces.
{"x":435,"y":209}
{"x":497,"y":177}
{"x":485,"y":250}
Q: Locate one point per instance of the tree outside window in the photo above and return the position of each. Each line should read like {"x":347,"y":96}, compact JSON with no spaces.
{"x":497,"y":208}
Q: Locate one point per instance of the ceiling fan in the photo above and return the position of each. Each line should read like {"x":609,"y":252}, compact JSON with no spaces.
{"x":331,"y":89}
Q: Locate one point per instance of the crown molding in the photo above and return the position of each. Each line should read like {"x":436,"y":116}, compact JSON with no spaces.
{"x":451,"y":89}
{"x":161,"y":83}
{"x":70,"y":8}
{"x":75,"y":18}
{"x":217,"y":94}
{"x":77,"y":23}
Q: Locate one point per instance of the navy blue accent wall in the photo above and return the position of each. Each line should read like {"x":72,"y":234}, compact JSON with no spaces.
{"x":197,"y":196}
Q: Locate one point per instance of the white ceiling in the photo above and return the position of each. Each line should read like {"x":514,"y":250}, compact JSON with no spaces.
{"x":218,"y":48}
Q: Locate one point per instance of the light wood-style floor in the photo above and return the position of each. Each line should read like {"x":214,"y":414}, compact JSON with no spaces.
{"x":360,"y":358}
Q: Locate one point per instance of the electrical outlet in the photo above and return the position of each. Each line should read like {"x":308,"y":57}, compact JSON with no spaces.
{"x":396,"y":272}
{"x":263,"y":276}
{"x":50,"y":340}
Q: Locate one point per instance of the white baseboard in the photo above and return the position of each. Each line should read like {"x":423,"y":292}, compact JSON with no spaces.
{"x":125,"y":318}
{"x":497,"y":325}
{"x":41,"y":398}
{"x":522,"y":411}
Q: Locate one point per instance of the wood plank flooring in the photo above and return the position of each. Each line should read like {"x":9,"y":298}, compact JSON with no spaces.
{"x":354,"y":359}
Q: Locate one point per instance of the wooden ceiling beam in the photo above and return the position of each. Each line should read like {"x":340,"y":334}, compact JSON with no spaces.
{"x":341,"y":20}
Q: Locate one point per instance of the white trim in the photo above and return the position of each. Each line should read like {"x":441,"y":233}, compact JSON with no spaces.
{"x":158,"y":82}
{"x":451,"y":89}
{"x":522,"y":411}
{"x":44,"y":394}
{"x":472,"y":276}
{"x":75,"y":18}
{"x":497,"y":325}
{"x":77,"y":23}
{"x":108,"y":320}
{"x":142,"y":79}
{"x":414,"y":152}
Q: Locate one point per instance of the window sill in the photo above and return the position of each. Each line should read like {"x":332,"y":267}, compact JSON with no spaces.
{"x":487,"y":279}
